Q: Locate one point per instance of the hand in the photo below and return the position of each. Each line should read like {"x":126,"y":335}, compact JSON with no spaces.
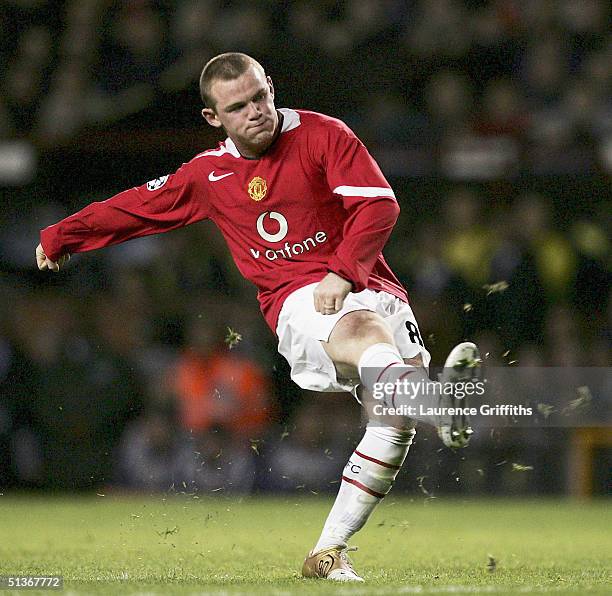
{"x":44,"y":263}
{"x":330,"y":293}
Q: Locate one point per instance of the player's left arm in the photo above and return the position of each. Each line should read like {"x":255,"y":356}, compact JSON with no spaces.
{"x":372,"y":210}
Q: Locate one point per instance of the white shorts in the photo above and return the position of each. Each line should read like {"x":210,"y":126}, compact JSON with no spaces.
{"x":301,"y":329}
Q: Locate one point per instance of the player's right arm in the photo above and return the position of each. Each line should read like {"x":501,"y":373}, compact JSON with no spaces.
{"x":159,"y":206}
{"x":45,"y":262}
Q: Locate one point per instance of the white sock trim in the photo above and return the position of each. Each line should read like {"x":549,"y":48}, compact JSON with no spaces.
{"x":379,"y":355}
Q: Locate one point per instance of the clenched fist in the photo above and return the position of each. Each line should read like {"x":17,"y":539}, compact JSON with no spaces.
{"x":44,"y":263}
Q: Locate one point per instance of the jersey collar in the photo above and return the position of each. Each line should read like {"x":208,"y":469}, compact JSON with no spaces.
{"x":290,"y":119}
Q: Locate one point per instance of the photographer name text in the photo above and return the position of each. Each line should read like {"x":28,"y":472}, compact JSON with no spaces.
{"x":421,"y":410}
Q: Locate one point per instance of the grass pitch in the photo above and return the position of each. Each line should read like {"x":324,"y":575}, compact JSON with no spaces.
{"x":186,"y":545}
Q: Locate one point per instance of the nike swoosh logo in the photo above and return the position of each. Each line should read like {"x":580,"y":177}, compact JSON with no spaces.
{"x":214,"y":178}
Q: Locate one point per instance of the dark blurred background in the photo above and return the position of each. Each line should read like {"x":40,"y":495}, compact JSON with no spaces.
{"x":491,"y":119}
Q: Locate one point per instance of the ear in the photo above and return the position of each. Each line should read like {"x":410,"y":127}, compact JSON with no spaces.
{"x":211,"y":117}
{"x":271,"y":86}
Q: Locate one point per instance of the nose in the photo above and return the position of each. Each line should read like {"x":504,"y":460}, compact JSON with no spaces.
{"x":254,"y":111}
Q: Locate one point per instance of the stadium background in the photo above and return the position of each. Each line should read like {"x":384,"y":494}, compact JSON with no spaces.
{"x":493,"y":123}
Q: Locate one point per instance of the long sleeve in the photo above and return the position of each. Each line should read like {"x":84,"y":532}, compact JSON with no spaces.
{"x":366,"y":232}
{"x":161,"y":205}
{"x":369,"y":201}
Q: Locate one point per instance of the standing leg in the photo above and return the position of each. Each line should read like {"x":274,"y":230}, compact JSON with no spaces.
{"x":361,"y":341}
{"x":367,"y":478}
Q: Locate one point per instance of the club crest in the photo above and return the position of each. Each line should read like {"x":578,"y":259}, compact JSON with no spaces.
{"x":257,"y":188}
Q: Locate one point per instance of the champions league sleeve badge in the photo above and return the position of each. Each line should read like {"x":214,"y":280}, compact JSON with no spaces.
{"x":157,"y":183}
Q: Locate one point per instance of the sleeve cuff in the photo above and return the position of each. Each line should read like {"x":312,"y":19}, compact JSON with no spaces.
{"x":51,"y":251}
{"x":335,"y":266}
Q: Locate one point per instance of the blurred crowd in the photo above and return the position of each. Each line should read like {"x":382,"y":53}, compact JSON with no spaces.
{"x":485,"y":87}
{"x":147,"y":366}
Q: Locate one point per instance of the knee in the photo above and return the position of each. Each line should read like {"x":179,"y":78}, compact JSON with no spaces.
{"x":354,"y":333}
{"x":365,"y":327}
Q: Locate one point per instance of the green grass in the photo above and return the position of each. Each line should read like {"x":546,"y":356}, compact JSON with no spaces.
{"x":184,"y":545}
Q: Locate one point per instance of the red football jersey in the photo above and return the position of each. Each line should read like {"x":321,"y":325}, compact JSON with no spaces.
{"x":315,"y":201}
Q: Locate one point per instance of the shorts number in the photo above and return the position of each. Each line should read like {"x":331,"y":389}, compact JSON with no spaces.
{"x":413,"y":333}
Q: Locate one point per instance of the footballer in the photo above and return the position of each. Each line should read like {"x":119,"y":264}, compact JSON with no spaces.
{"x":305,"y":211}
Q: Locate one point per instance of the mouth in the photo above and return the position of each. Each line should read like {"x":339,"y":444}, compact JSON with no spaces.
{"x":258,"y":126}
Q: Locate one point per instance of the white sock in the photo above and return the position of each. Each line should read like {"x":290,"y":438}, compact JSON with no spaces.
{"x":367,"y":478}
{"x":381,"y":365}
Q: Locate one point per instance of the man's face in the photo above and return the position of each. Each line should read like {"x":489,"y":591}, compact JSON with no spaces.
{"x":244,"y":107}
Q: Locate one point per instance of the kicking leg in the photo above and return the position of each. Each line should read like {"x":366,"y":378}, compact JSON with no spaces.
{"x":363,"y":343}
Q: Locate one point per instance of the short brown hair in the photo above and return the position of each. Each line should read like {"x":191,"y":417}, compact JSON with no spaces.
{"x":226,"y":67}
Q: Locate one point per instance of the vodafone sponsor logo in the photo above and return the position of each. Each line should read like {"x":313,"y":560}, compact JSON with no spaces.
{"x":297,"y":248}
{"x":276,"y":233}
{"x":283,"y":229}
